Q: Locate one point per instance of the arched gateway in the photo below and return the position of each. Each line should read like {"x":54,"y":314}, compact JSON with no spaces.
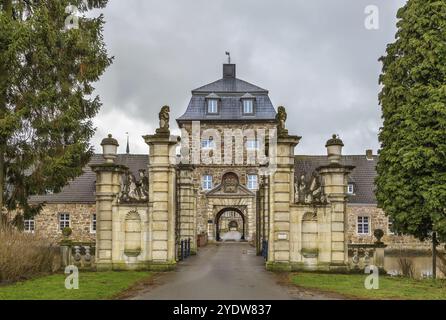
{"x":227,"y":221}
{"x":230,"y":196}
{"x":297,"y":223}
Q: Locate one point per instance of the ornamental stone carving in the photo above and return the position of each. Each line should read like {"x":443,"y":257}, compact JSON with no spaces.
{"x":133,"y":190}
{"x":281,"y":118}
{"x":312,"y":193}
{"x":164,"y":118}
{"x":230,"y":183}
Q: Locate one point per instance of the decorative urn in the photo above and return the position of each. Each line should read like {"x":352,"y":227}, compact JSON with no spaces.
{"x":109,"y":149}
{"x":334,"y":149}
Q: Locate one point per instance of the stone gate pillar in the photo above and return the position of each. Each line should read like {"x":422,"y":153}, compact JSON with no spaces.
{"x":108,"y":184}
{"x":186,"y":195}
{"x":335,"y":182}
{"x":162,"y":194}
{"x":281,"y":193}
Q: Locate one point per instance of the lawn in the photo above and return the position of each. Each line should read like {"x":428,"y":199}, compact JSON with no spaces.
{"x":92,"y":286}
{"x":389,"y":287}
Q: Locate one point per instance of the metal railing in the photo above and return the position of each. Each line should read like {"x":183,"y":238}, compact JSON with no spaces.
{"x":184,"y":249}
{"x":265,"y":249}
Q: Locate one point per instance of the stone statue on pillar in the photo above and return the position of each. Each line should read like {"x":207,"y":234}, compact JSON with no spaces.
{"x":281,"y":118}
{"x":164,"y":121}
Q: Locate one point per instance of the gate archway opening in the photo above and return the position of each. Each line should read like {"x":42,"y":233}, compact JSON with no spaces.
{"x":230,"y":220}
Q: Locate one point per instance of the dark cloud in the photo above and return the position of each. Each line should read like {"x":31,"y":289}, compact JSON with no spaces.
{"x":316,"y":58}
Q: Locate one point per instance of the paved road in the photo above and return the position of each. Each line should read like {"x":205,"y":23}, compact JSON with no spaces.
{"x":229,"y":271}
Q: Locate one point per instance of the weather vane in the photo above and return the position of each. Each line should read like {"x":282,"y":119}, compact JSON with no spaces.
{"x":229,"y":57}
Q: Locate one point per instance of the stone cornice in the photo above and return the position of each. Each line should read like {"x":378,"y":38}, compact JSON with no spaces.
{"x":110,"y":167}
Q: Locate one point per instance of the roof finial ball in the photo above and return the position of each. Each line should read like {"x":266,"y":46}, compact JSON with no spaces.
{"x":334,"y":149}
{"x":109,"y":149}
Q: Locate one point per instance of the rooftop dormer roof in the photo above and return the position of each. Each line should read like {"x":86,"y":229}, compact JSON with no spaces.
{"x":230,"y":92}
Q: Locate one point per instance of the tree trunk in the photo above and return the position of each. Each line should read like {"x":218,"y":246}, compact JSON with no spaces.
{"x":7,"y":7}
{"x":2,"y":177}
{"x":434,"y":255}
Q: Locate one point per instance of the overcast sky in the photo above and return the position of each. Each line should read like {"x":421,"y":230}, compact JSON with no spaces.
{"x":315,"y":57}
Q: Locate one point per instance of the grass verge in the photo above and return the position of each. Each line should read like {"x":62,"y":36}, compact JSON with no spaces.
{"x":352,"y":285}
{"x":92,"y":286}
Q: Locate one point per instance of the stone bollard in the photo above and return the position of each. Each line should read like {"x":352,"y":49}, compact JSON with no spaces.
{"x":379,"y":257}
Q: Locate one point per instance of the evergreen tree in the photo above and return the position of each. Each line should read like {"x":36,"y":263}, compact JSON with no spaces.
{"x":46,"y":94}
{"x":411,"y":182}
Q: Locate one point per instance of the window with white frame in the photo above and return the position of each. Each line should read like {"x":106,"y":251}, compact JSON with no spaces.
{"x":207,"y":182}
{"x":64,"y":221}
{"x":207,"y":144}
{"x":29,"y":225}
{"x":212,"y":106}
{"x":93,"y":223}
{"x":363,"y":225}
{"x":248,"y":106}
{"x":252,"y":144}
{"x":252,"y":181}
{"x":351,"y":188}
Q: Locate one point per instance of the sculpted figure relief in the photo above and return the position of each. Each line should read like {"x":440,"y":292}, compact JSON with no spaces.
{"x":314,"y":193}
{"x":132,"y":190}
{"x":230,"y":183}
{"x":143,"y":185}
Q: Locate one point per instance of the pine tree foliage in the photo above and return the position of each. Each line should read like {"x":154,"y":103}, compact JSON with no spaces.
{"x":47,"y":100}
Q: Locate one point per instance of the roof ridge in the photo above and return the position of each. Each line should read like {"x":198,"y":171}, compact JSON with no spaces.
{"x":234,"y":81}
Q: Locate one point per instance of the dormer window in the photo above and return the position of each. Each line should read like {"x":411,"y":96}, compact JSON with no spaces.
{"x":248,"y":106}
{"x":351,"y":188}
{"x":212,"y":106}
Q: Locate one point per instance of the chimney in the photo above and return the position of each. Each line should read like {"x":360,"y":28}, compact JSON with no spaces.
{"x":369,"y":154}
{"x":228,"y":71}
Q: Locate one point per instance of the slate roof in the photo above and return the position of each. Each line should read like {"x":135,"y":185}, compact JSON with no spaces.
{"x":82,"y":189}
{"x":226,"y":85}
{"x":229,"y":90}
{"x":362,"y":177}
{"x":230,"y":109}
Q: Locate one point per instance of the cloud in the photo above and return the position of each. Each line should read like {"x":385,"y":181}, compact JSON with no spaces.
{"x":316,"y":58}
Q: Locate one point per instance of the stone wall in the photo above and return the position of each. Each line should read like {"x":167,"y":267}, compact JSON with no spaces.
{"x":47,"y":222}
{"x":378,"y":220}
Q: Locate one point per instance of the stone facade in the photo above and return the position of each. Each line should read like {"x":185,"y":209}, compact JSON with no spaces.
{"x":378,"y":220}
{"x":239,"y":165}
{"x":81,"y":221}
